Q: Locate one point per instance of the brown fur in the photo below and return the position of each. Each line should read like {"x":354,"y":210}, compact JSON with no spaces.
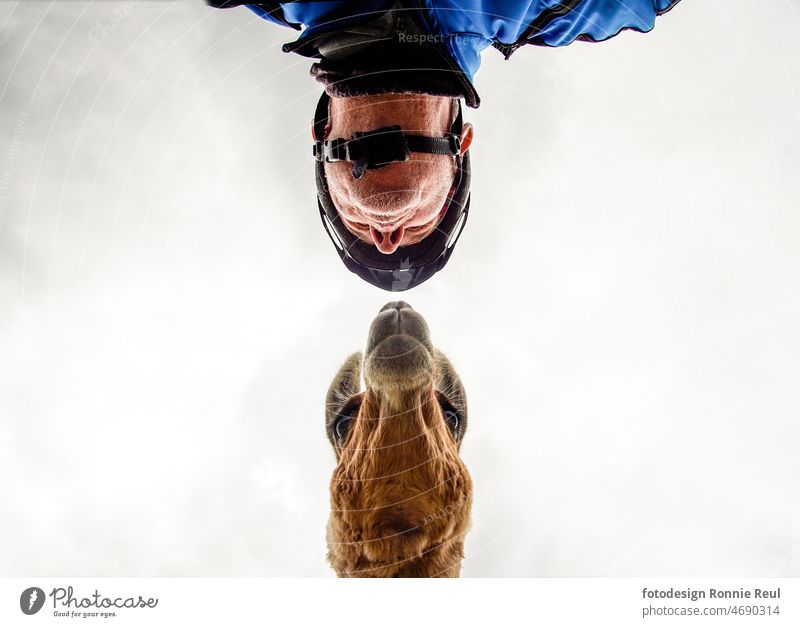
{"x":400,"y":494}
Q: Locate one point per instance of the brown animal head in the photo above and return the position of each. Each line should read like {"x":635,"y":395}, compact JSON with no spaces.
{"x":400,"y":494}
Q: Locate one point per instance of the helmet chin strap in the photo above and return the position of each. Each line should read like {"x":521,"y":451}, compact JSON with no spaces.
{"x":371,"y":150}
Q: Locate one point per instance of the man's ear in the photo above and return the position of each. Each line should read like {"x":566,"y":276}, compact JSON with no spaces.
{"x":327,"y":129}
{"x":314,"y":132}
{"x":466,"y":137}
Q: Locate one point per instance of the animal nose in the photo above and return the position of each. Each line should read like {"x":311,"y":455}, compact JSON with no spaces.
{"x":396,"y":304}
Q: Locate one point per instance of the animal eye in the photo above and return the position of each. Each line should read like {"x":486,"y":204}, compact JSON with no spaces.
{"x":342,"y":428}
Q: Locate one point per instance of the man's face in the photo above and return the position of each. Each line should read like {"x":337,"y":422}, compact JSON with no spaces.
{"x":396,"y":205}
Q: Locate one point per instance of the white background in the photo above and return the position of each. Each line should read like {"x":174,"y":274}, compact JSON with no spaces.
{"x":623,"y":305}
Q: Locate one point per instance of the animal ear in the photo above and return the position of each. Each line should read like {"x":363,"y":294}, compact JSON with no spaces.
{"x":346,"y":384}
{"x":449,"y":383}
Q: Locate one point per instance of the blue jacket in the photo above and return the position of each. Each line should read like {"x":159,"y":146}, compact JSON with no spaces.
{"x":467,"y":27}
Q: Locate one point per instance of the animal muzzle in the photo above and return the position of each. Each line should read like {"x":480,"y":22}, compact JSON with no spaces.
{"x":399,"y":349}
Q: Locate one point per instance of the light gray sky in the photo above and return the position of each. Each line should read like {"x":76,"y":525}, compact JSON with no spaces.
{"x":623,"y":305}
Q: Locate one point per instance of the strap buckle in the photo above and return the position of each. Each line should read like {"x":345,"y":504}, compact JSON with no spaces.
{"x":369,"y":150}
{"x":455,"y":144}
{"x":331,"y":150}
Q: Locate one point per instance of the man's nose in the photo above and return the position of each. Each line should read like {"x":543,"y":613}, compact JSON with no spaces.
{"x":389,"y":241}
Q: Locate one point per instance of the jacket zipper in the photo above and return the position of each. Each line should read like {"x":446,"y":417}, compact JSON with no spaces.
{"x":539,"y":23}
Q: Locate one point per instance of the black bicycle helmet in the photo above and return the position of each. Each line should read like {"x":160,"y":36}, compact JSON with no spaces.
{"x":410,"y":265}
